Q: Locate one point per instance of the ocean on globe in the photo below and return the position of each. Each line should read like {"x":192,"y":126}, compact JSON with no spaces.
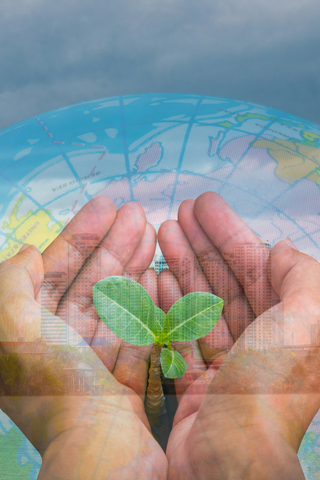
{"x":158,"y":150}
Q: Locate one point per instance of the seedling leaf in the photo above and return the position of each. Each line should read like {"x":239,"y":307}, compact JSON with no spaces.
{"x":160,"y":316}
{"x":127,"y":309}
{"x":172,"y":363}
{"x":191,"y":317}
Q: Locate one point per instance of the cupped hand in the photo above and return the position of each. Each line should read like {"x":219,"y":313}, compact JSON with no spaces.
{"x":241,"y":414}
{"x":82,"y":437}
{"x":243,"y":420}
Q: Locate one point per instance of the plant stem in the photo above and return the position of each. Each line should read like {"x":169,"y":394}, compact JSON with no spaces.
{"x":155,"y":398}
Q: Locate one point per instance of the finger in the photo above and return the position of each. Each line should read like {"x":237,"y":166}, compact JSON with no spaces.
{"x":65,"y":256}
{"x":181,"y":259}
{"x":143,"y":255}
{"x":169,"y":290}
{"x":184,"y":265}
{"x":115,"y":251}
{"x":148,"y":280}
{"x":137,"y":264}
{"x":192,"y":398}
{"x":244,"y":252}
{"x":237,"y":310}
{"x":20,"y":279}
{"x":287,"y":266}
{"x":132,"y":364}
{"x":296,"y":278}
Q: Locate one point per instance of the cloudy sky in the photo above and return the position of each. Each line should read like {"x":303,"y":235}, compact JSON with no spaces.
{"x":58,"y":53}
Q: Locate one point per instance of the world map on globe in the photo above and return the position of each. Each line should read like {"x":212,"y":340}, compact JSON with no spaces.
{"x":158,"y":150}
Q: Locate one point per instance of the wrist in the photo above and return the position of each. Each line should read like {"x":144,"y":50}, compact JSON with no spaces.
{"x":102,"y":438}
{"x":238,"y":437}
{"x":42,"y":419}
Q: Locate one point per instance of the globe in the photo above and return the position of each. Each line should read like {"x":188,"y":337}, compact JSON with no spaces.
{"x":158,"y":149}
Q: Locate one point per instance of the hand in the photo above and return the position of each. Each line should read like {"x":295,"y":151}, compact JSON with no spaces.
{"x":245,"y":419}
{"x":83,"y":436}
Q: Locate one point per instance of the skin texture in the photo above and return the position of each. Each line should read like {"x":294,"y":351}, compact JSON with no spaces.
{"x":241,"y":414}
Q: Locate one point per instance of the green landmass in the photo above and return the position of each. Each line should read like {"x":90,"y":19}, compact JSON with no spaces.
{"x":308,"y":456}
{"x":310,"y":138}
{"x":9,"y":467}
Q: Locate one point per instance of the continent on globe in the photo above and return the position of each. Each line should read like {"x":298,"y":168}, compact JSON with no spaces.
{"x":295,"y":160}
{"x":149,"y":158}
{"x":34,"y":227}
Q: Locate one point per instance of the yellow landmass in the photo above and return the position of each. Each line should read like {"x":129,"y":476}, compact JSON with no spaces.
{"x":295,"y":160}
{"x":310,"y":137}
{"x":34,"y":229}
{"x":14,"y":221}
{"x":226,"y":124}
{"x":248,"y":116}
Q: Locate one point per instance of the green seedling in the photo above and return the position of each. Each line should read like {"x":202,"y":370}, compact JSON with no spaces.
{"x":128,"y":310}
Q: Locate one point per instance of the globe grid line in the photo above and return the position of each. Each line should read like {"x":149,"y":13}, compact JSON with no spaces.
{"x":25,"y":193}
{"x":245,"y":152}
{"x":125,"y":145}
{"x":65,"y":156}
{"x":182,"y":152}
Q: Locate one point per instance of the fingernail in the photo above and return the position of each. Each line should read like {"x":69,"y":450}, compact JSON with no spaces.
{"x":24,"y":247}
{"x":290,"y":243}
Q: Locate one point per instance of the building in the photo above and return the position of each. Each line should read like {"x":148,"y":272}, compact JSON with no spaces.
{"x":80,"y":378}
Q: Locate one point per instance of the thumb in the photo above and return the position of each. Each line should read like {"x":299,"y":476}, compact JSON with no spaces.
{"x":294,"y":275}
{"x":20,"y":281}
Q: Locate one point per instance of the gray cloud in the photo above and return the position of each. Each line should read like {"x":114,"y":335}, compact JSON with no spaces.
{"x":58,"y":53}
